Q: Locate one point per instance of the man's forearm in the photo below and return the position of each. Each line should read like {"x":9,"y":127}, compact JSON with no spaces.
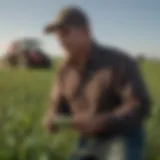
{"x":123,"y":120}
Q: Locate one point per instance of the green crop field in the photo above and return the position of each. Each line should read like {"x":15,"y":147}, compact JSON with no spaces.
{"x":23,"y":99}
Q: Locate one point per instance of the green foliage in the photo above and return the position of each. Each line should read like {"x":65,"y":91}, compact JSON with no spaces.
{"x":23,"y":100}
{"x":151,"y":73}
{"x":24,"y":95}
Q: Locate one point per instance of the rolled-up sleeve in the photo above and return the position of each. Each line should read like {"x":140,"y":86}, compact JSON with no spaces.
{"x":139,"y":89}
{"x":134,"y":116}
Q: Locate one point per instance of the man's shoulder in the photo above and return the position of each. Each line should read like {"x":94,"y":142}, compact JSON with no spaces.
{"x":115,"y":55}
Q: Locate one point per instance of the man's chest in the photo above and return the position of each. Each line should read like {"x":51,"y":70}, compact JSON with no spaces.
{"x":83,"y":89}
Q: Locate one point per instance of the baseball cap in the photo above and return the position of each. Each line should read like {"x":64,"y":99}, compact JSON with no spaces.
{"x":69,"y":16}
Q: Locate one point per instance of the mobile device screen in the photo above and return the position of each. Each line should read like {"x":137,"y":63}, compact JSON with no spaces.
{"x":62,"y":121}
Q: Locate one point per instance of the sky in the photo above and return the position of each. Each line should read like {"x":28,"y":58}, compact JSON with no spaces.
{"x":132,"y":25}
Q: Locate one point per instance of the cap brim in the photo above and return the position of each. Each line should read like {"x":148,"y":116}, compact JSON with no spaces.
{"x":52,"y":27}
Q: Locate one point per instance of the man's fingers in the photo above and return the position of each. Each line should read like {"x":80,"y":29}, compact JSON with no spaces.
{"x":48,"y":125}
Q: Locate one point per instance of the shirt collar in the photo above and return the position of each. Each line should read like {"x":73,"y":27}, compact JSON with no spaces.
{"x":90,"y":60}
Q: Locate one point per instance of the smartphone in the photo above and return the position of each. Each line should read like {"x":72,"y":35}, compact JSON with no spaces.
{"x":62,"y":121}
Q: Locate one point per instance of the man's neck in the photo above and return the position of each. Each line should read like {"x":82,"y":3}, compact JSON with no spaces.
{"x":81,"y":56}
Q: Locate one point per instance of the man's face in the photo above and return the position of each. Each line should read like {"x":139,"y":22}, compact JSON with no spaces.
{"x":72,"y":39}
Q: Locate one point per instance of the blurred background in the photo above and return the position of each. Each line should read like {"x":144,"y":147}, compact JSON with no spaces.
{"x":29,"y":60}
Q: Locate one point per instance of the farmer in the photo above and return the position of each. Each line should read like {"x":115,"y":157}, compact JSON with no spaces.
{"x":123,"y":102}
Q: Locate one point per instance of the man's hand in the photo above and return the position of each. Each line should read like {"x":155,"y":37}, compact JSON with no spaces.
{"x":86,"y":125}
{"x":48,"y":124}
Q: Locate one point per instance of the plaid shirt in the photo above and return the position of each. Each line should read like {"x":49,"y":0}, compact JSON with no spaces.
{"x":108,"y":80}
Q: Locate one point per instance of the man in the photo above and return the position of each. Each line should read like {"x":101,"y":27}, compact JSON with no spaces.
{"x":120,"y":97}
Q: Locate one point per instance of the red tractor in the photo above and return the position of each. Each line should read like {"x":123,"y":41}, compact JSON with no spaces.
{"x":27,"y":52}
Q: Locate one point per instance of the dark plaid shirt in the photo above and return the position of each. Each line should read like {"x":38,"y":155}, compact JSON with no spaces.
{"x":125,"y":79}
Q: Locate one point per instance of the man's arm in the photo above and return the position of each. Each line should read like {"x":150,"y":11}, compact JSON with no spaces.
{"x":135,"y":104}
{"x":58,"y":105}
